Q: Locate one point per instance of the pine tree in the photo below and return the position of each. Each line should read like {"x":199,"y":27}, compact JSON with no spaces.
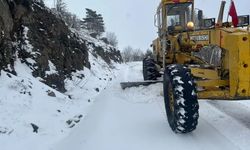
{"x":100,"y":24}
{"x":93,"y":22}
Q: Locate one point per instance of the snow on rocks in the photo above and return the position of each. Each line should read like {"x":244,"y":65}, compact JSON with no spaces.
{"x":27,"y":46}
{"x":52,"y":69}
{"x":72,"y":122}
{"x":5,"y":130}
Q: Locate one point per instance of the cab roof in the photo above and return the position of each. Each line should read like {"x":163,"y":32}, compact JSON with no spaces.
{"x":175,"y":1}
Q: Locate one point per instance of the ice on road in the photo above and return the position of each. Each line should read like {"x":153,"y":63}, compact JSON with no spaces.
{"x":134,"y":119}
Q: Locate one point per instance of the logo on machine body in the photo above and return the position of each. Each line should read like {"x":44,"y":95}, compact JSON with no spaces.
{"x":204,"y":37}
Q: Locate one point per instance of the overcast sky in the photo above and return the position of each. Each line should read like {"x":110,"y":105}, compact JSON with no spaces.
{"x":133,"y":20}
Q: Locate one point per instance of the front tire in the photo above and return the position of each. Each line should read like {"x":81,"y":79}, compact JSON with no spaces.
{"x":180,"y":97}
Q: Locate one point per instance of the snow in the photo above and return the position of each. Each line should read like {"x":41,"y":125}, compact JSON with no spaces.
{"x":181,"y":101}
{"x":179,"y":88}
{"x":27,"y":47}
{"x":85,"y":35}
{"x":178,"y":79}
{"x":26,"y":101}
{"x":174,"y":71}
{"x":182,"y":111}
{"x":135,"y":119}
{"x":52,"y":69}
{"x":110,"y":119}
{"x":31,"y":61}
{"x":194,"y":93}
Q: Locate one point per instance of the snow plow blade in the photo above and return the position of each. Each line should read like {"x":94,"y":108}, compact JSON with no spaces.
{"x":125,"y":85}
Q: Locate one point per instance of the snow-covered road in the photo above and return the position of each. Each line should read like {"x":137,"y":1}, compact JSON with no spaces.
{"x":134,"y":119}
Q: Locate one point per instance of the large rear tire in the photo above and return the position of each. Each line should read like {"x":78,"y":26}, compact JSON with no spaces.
{"x":150,"y":71}
{"x":180,"y":96}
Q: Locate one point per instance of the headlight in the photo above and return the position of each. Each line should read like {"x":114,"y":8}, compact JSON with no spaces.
{"x":190,"y":25}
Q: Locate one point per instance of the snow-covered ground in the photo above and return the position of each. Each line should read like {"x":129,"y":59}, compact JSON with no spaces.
{"x":111,"y":119}
{"x":135,"y":119}
{"x":34,"y":116}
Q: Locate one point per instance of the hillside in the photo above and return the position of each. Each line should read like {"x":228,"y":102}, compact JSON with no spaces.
{"x":50,"y":75}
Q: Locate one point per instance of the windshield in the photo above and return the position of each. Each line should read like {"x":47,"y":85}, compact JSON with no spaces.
{"x":179,"y":14}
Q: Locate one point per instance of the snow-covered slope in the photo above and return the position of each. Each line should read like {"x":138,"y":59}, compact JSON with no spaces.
{"x":34,"y":116}
{"x":50,"y":75}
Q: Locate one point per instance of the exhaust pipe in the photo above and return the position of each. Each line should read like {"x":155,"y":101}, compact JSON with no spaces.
{"x":221,"y":13}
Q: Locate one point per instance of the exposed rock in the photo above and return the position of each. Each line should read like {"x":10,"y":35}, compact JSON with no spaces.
{"x":75,"y":120}
{"x":35,"y":127}
{"x":51,"y":93}
{"x":97,"y":89}
{"x":110,"y":54}
{"x":32,"y":33}
{"x":4,"y":130}
{"x":6,"y":28}
{"x":41,"y":37}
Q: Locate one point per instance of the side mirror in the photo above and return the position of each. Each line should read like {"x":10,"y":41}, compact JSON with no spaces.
{"x":200,"y":14}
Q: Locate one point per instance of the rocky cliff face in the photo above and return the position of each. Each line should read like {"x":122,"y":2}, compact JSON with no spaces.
{"x":32,"y":33}
{"x":6,"y":31}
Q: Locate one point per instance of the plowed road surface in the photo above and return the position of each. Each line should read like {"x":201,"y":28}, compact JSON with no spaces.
{"x":134,"y":119}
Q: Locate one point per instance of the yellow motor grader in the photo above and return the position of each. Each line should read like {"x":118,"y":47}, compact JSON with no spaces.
{"x":182,"y":34}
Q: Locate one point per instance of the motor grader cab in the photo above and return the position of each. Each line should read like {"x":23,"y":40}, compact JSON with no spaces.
{"x":182,"y":33}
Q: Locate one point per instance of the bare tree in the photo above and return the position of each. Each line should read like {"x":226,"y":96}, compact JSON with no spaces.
{"x":127,"y":54}
{"x":112,"y":38}
{"x":60,"y":6}
{"x":137,"y":55}
{"x":71,"y":20}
